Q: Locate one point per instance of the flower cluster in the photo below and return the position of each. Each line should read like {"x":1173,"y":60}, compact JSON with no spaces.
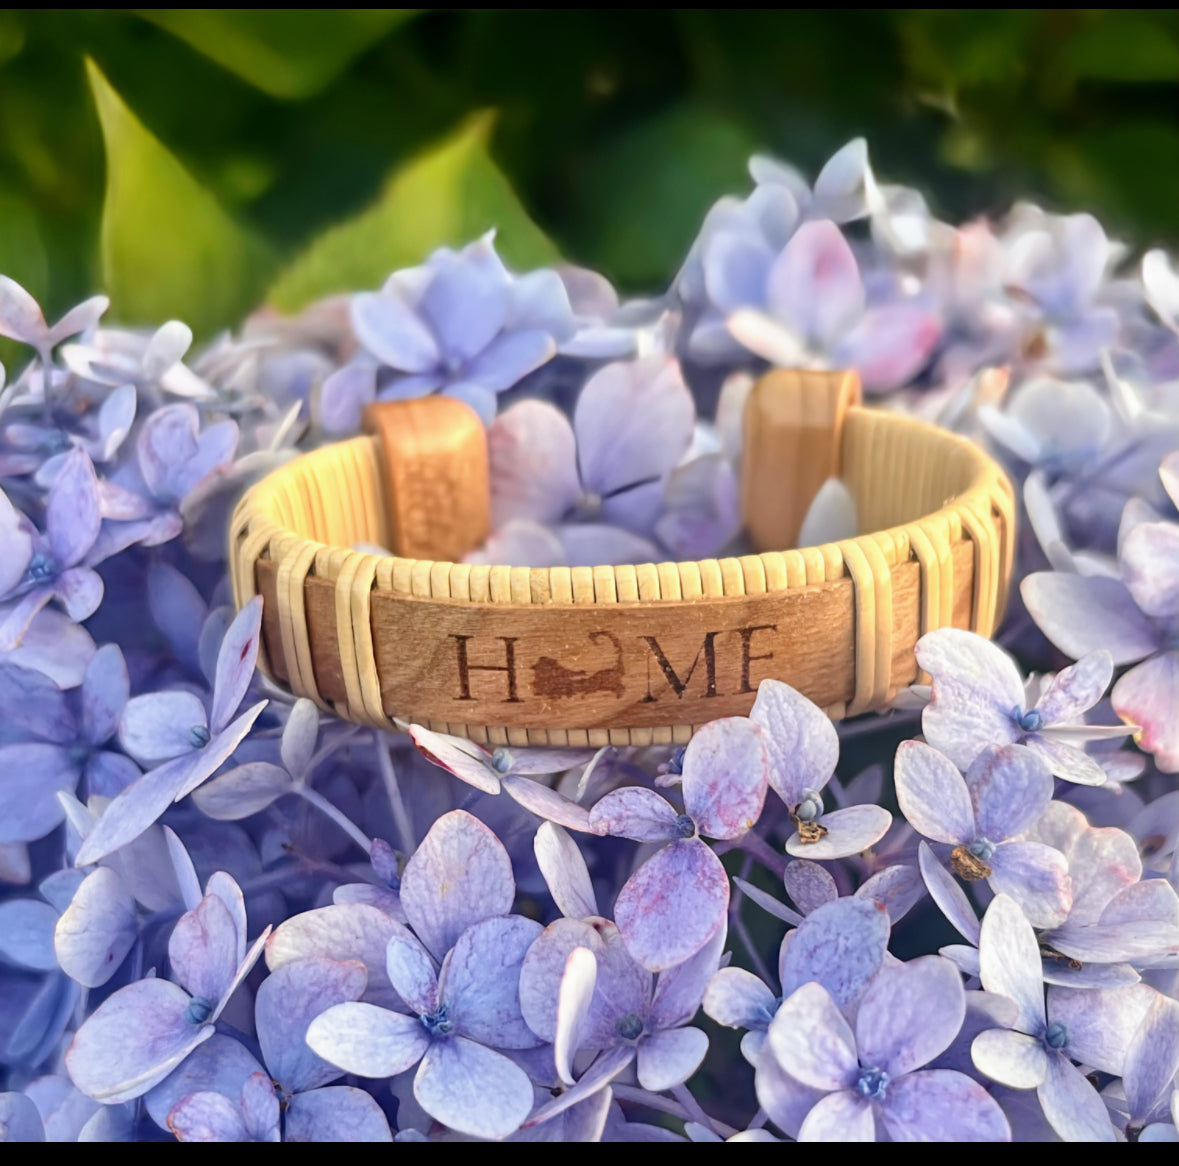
{"x":226,"y":916}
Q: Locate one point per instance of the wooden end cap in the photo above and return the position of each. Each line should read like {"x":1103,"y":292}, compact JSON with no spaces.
{"x":437,"y":483}
{"x":793,"y":436}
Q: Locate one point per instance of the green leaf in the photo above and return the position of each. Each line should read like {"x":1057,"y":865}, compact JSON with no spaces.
{"x":286,"y":52}
{"x":447,"y":196}
{"x":167,"y":246}
{"x":1123,"y":46}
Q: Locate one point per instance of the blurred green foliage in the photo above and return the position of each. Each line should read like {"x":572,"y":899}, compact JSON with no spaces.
{"x":304,"y":152}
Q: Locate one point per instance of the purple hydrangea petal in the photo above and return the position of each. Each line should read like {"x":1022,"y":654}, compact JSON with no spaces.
{"x":63,"y":1109}
{"x":635,"y":812}
{"x":208,"y":1117}
{"x":809,"y":885}
{"x":80,"y":592}
{"x":26,"y":933}
{"x":465,"y":306}
{"x":673,"y":904}
{"x":161,"y":726}
{"x":669,"y":1058}
{"x":479,"y":398}
{"x":546,"y":803}
{"x":679,"y":990}
{"x":725,"y":771}
{"x":299,"y":735}
{"x":20,"y":315}
{"x":472,"y":1089}
{"x":510,"y":357}
{"x":367,"y":1040}
{"x":104,"y":693}
{"x":939,"y":1105}
{"x":814,"y":285}
{"x":839,"y":1117}
{"x":848,"y":831}
{"x":1100,"y":1022}
{"x":574,"y":996}
{"x":201,"y":766}
{"x":341,"y":1113}
{"x":565,"y":872}
{"x":20,"y":1120}
{"x":1009,"y":958}
{"x":412,"y":973}
{"x":811,"y":1041}
{"x":1072,"y":1106}
{"x":831,"y":516}
{"x":18,"y":617}
{"x":1149,"y":557}
{"x":890,"y":345}
{"x":220,"y":1065}
{"x":1036,"y":877}
{"x":344,"y":395}
{"x":1075,"y":690}
{"x":840,"y":946}
{"x":593,"y":544}
{"x":203,"y":949}
{"x":735,"y":270}
{"x":1148,"y":695}
{"x":30,"y":777}
{"x":533,"y":463}
{"x":79,"y":318}
{"x":388,"y":328}
{"x":1013,"y":1058}
{"x":1102,"y":862}
{"x":591,"y":1083}
{"x":459,"y":875}
{"x":1088,"y":613}
{"x":1066,"y":761}
{"x":235,"y":663}
{"x":738,"y":999}
{"x":242,"y":791}
{"x":18,"y":545}
{"x":34,"y":704}
{"x":910,"y":1014}
{"x":701,"y":508}
{"x":288,"y":1000}
{"x":133,"y":1040}
{"x":898,"y":889}
{"x":349,"y":931}
{"x":1152,"y":1058}
{"x":1010,"y":787}
{"x":72,"y":510}
{"x":97,"y":929}
{"x":463,"y":758}
{"x":167,"y":441}
{"x":803,"y":745}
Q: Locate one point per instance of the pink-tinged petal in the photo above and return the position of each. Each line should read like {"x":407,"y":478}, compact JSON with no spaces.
{"x":202,"y":951}
{"x":976,"y":688}
{"x":1102,"y":862}
{"x":701,"y":508}
{"x":1076,"y":689}
{"x":20,"y":315}
{"x":220,"y":1065}
{"x":673,"y":904}
{"x":78,"y":319}
{"x":161,"y":726}
{"x":635,"y":812}
{"x":1012,"y":1058}
{"x":1149,"y":557}
{"x":546,"y":803}
{"x":890,"y":345}
{"x":1152,"y":1058}
{"x":898,"y":889}
{"x":814,"y":285}
{"x":1036,"y":877}
{"x":840,"y":946}
{"x":809,"y":885}
{"x":242,"y":791}
{"x":31,"y":775}
{"x":669,"y":1058}
{"x":480,"y":981}
{"x":1067,"y":761}
{"x":849,"y":831}
{"x":287,"y":1002}
{"x":811,"y":1041}
{"x":351,"y":931}
{"x":367,"y":1040}
{"x":910,"y":1014}
{"x":235,"y":663}
{"x":948,"y":895}
{"x":738,"y":999}
{"x":97,"y":929}
{"x":520,"y":542}
{"x":133,"y":1040}
{"x":1010,"y":787}
{"x":344,"y":395}
{"x":1148,"y":695}
{"x":1072,"y":1106}
{"x":463,"y":758}
{"x":803,"y":745}
{"x":1088,"y":613}
{"x":1009,"y":961}
{"x":574,"y":996}
{"x":412,"y":973}
{"x":459,"y":875}
{"x":1100,"y":1022}
{"x":15,"y":619}
{"x":260,"y":1109}
{"x":839,"y":1117}
{"x":342,"y":1113}
{"x":633,"y":421}
{"x":72,"y":511}
{"x":565,"y":872}
{"x":726,"y":769}
{"x":932,"y":794}
{"x":535,"y":761}
{"x":846,"y":188}
{"x":533,"y":458}
{"x":472,"y":1089}
{"x":208,"y":1117}
{"x":389,"y":329}
{"x":939,"y":1105}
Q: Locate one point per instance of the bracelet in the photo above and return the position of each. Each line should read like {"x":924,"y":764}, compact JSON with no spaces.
{"x":620,"y":655}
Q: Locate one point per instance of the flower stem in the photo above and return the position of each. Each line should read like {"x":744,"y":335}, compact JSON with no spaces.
{"x":342,"y":820}
{"x":401,"y":818}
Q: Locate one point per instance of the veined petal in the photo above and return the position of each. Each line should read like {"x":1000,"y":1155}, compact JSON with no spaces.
{"x":811,"y":1041}
{"x":932,"y":794}
{"x":472,"y":1089}
{"x":367,"y":1040}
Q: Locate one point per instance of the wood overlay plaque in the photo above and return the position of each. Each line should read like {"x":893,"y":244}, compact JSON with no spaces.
{"x":626,"y":654}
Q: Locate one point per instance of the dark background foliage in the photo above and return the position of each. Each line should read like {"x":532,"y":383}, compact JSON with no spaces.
{"x":614,"y":129}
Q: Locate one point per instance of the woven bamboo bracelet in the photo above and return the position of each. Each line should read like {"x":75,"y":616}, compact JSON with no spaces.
{"x":634,"y":654}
